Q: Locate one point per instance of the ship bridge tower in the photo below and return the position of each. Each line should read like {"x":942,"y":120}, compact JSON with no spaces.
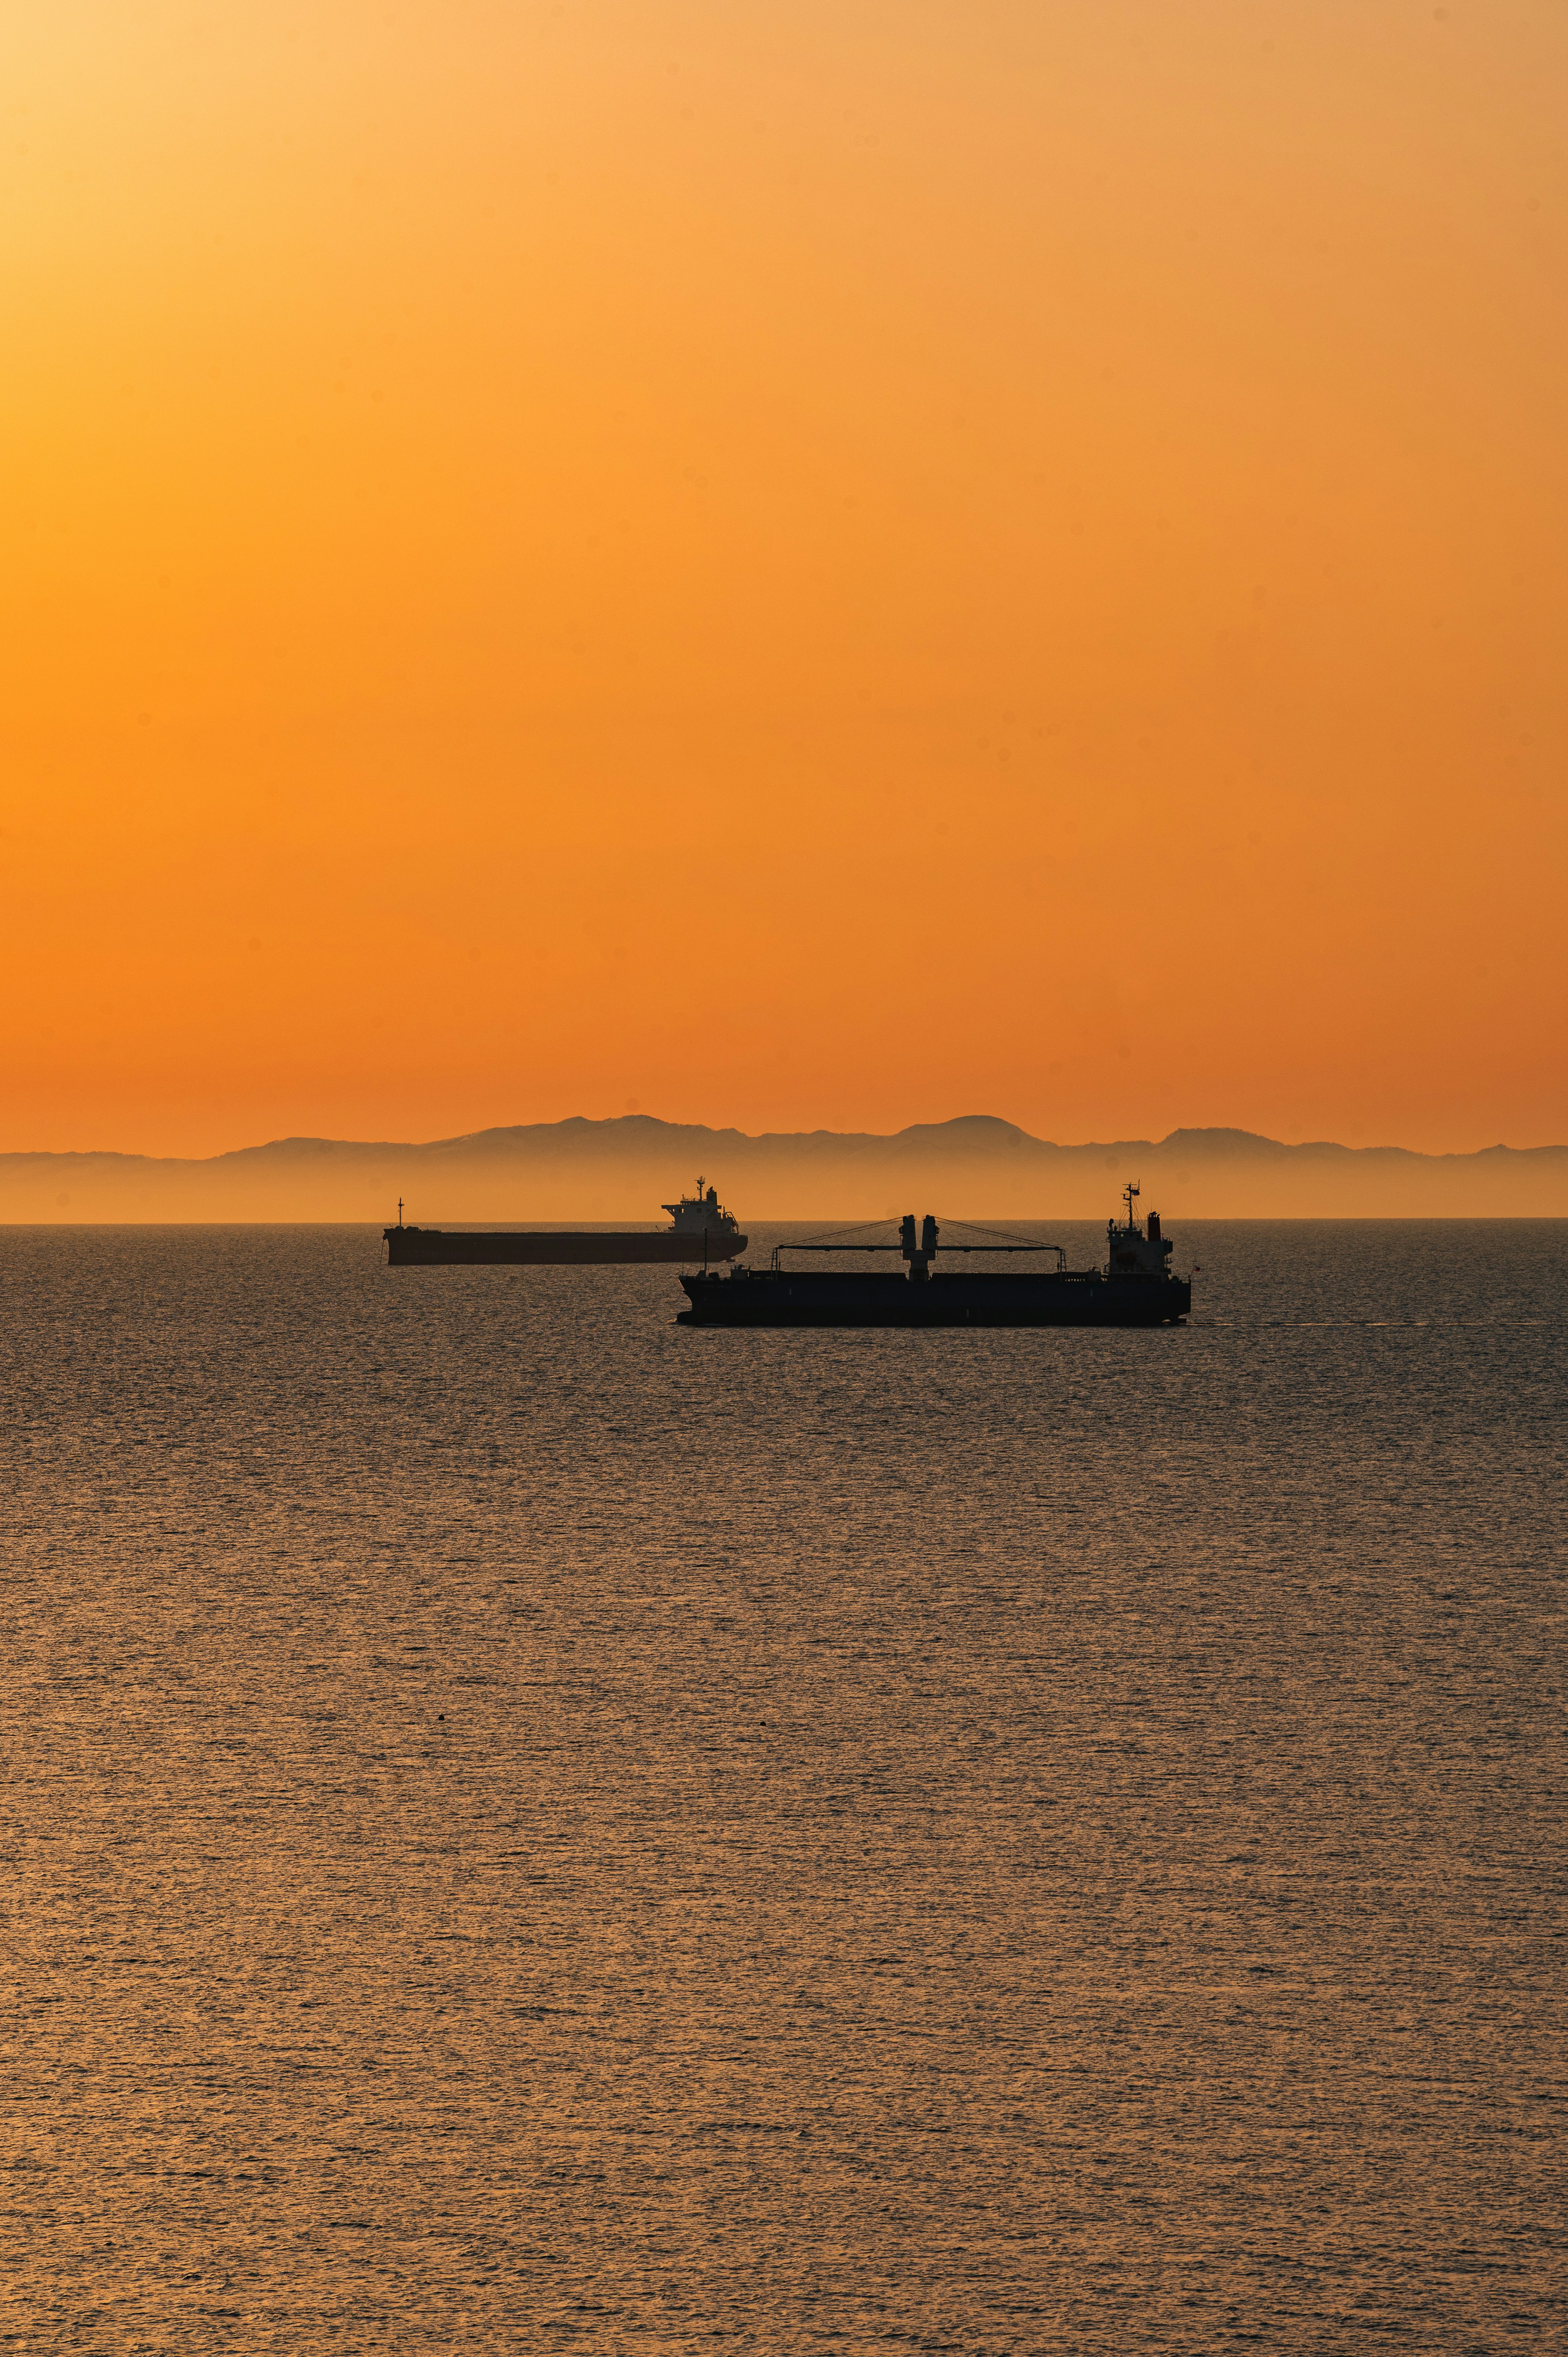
{"x":1129,"y":1251}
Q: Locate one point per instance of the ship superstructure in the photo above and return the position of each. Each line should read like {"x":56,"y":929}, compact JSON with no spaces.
{"x":702,"y":1215}
{"x":1132,"y":1250}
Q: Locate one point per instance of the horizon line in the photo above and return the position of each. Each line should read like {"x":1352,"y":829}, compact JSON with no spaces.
{"x":1199,"y":1135}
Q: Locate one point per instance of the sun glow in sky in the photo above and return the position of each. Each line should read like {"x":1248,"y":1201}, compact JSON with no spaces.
{"x":819,"y":565}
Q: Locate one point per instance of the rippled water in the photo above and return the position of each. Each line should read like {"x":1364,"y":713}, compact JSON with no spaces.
{"x":530,"y":1827}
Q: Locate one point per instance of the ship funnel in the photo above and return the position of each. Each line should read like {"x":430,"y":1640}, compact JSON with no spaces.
{"x":907,"y":1244}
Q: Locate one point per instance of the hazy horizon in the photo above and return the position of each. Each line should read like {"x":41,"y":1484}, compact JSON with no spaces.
{"x":623,"y":1168}
{"x":1125,"y":1134}
{"x":198,"y":1139}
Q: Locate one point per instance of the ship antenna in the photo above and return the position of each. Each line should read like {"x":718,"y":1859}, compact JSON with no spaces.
{"x":399,"y":1210}
{"x":1131,"y":1190}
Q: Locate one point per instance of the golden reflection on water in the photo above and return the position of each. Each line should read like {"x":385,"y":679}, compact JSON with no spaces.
{"x":532,"y":1827}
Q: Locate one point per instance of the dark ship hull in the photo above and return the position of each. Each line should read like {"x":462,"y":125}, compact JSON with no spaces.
{"x":560,"y":1247}
{"x":783,"y":1297}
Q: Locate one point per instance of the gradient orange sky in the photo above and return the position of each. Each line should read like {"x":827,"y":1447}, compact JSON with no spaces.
{"x":794,"y":565}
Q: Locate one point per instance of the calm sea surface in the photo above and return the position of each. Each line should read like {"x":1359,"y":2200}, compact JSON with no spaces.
{"x":530,"y":1828}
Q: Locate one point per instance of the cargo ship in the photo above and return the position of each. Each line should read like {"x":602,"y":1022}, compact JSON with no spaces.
{"x":1136,"y":1286}
{"x":699,"y":1230}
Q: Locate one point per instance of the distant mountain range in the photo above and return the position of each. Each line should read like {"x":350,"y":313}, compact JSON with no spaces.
{"x":976,"y":1167}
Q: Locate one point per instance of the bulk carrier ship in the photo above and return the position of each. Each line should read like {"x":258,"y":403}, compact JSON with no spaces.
{"x":1135,"y":1287}
{"x":699,"y":1230}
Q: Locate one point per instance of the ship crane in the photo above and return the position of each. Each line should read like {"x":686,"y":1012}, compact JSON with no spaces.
{"x":921,"y":1253}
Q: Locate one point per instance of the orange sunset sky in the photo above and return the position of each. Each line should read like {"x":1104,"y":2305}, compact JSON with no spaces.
{"x":805,"y":565}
